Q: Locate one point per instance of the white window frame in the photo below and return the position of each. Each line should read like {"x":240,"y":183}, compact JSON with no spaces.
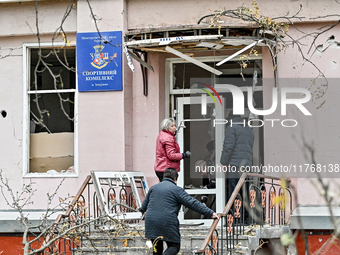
{"x":170,"y":91}
{"x":26,"y":111}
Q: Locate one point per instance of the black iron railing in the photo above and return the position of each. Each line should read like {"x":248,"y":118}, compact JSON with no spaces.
{"x":256,"y":200}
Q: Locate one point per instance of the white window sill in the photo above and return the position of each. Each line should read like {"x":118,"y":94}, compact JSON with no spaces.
{"x":48,"y":175}
{"x":16,"y":1}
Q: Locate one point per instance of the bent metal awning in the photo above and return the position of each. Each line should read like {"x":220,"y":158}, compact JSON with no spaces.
{"x":181,"y":41}
{"x":191,"y":39}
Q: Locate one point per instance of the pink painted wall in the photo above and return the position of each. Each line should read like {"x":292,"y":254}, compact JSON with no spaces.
{"x":117,"y":130}
{"x":286,"y":145}
{"x":101,"y":122}
{"x":105,"y":128}
{"x":18,"y":19}
{"x":11,"y":126}
{"x":18,"y":27}
{"x":148,"y":112}
{"x":153,"y":14}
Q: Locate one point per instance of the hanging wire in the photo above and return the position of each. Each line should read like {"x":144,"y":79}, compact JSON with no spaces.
{"x":214,"y":83}
{"x":214,"y":67}
{"x":183,"y":83}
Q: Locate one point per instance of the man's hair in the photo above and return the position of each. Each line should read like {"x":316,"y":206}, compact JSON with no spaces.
{"x":171,"y":173}
{"x":231,"y":115}
{"x":165,"y":124}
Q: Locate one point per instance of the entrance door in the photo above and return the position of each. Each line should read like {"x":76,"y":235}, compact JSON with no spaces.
{"x":197,"y":134}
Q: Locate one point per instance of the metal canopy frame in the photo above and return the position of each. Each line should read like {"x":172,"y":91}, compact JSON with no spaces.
{"x":193,"y":60}
{"x":189,"y":38}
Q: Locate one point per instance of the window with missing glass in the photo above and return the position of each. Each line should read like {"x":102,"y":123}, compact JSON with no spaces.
{"x":233,"y":72}
{"x":50,"y":110}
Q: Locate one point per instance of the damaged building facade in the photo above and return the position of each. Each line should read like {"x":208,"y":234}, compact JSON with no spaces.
{"x":172,"y":53}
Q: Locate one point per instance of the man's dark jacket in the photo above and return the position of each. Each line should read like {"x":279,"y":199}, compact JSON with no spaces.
{"x":238,"y":144}
{"x":162,"y":204}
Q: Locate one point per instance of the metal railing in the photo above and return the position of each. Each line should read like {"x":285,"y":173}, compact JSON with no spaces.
{"x":85,"y":213}
{"x":265,"y":201}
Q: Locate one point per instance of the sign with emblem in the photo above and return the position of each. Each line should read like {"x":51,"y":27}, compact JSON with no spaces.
{"x":99,"y":61}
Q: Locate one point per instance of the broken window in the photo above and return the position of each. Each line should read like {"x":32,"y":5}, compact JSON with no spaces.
{"x":232,"y":73}
{"x":51,"y":95}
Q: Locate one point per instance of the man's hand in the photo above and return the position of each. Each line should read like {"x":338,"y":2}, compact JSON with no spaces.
{"x":214,"y":216}
{"x":141,"y":210}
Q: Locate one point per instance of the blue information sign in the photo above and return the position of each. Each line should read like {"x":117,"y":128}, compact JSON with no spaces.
{"x":99,"y":61}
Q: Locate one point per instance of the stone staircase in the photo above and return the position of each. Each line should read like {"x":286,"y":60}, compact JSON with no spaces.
{"x":192,"y":238}
{"x":135,"y":242}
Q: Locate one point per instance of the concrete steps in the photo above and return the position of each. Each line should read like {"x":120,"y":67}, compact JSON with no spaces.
{"x":191,"y":239}
{"x":108,"y":242}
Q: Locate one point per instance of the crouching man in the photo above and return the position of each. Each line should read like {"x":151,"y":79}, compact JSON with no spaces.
{"x":162,"y":204}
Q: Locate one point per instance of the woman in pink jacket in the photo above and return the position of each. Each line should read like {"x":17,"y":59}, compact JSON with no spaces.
{"x":167,"y":149}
